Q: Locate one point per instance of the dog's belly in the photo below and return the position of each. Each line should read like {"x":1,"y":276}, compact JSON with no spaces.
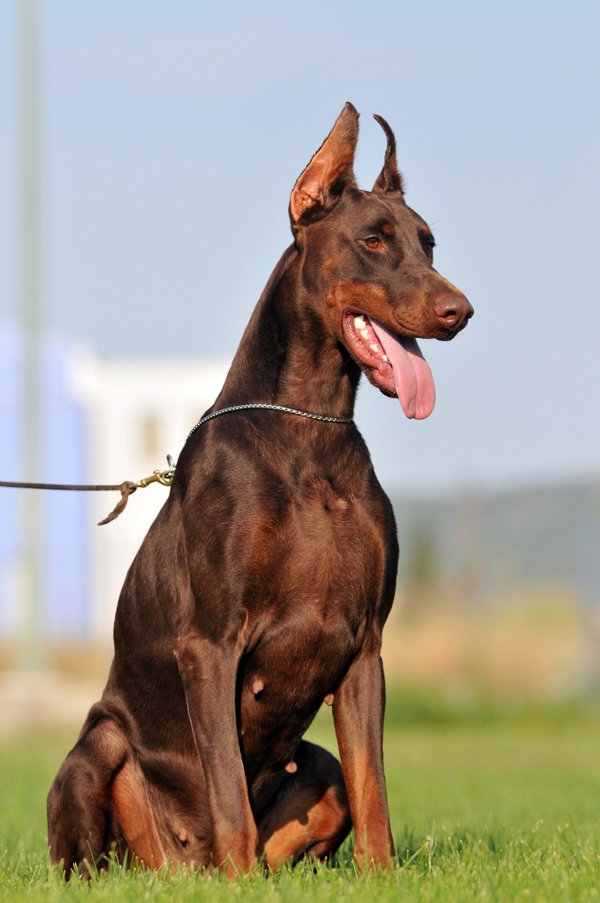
{"x":283,"y":684}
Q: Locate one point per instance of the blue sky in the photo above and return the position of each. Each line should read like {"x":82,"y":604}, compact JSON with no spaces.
{"x":173,"y":134}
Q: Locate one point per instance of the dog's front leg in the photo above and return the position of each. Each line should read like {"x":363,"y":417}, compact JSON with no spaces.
{"x":358,"y":711}
{"x":208,"y":673}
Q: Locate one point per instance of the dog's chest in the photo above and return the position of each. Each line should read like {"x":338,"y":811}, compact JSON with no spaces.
{"x":316,"y":570}
{"x":318,"y":593}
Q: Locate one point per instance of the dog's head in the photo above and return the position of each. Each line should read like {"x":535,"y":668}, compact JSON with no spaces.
{"x":369,"y":258}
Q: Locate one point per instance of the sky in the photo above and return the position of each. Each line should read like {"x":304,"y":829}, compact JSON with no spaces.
{"x":174,"y":132}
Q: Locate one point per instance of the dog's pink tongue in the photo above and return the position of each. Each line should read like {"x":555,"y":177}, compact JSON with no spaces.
{"x":412,"y":377}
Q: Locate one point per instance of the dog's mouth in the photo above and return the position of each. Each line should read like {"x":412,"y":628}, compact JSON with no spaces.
{"x":392,"y":362}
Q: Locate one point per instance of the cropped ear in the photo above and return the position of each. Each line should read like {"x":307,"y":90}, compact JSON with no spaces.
{"x":329,"y":172}
{"x":389,"y":180}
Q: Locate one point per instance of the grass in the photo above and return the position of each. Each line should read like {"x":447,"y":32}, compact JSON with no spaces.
{"x":485,"y":806}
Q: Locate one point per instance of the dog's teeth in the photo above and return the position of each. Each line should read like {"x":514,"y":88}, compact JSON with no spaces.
{"x":385,"y":358}
{"x":359,"y":322}
{"x":374,"y":347}
{"x":365,"y":333}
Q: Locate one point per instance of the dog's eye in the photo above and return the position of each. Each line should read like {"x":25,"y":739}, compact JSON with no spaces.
{"x":372,"y":241}
{"x":428,"y":243}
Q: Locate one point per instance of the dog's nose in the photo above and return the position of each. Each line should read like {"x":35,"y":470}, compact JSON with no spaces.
{"x":453,"y":310}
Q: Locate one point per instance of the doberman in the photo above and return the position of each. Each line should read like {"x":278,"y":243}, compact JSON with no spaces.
{"x":262,"y":587}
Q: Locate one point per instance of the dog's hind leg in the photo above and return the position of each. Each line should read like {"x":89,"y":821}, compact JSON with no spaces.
{"x":79,"y":799}
{"x":96,"y":803}
{"x":310,"y":814}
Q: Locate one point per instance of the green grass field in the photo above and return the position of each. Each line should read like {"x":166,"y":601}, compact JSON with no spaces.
{"x":484,"y":807}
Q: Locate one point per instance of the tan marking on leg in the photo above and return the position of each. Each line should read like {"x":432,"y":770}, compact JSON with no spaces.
{"x":311,"y":822}
{"x":373,"y":842}
{"x":135,"y":816}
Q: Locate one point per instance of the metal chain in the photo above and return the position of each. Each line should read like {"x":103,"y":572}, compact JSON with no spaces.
{"x":269,"y":407}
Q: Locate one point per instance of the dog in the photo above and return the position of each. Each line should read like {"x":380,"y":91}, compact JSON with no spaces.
{"x":262,"y":587}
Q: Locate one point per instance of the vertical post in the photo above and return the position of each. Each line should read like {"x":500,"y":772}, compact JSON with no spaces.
{"x":30,"y":267}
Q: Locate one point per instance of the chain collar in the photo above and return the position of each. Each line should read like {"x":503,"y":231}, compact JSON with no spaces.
{"x":269,"y":407}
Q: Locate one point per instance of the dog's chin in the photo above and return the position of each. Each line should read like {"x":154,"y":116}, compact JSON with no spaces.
{"x":384,"y":383}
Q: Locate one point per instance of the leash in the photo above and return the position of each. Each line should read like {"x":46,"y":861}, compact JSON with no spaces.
{"x":164,"y":477}
{"x":126,"y":488}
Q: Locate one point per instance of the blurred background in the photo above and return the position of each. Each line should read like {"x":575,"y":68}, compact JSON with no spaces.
{"x":147,"y":152}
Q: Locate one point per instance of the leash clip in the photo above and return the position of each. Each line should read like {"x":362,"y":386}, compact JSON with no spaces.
{"x":164,"y":477}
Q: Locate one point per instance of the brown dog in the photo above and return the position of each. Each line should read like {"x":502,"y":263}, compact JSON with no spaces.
{"x":262,"y":587}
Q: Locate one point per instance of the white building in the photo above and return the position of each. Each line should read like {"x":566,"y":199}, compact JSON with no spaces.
{"x":137,"y":412}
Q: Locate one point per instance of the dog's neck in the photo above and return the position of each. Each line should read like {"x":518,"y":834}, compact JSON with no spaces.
{"x":287,"y":355}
